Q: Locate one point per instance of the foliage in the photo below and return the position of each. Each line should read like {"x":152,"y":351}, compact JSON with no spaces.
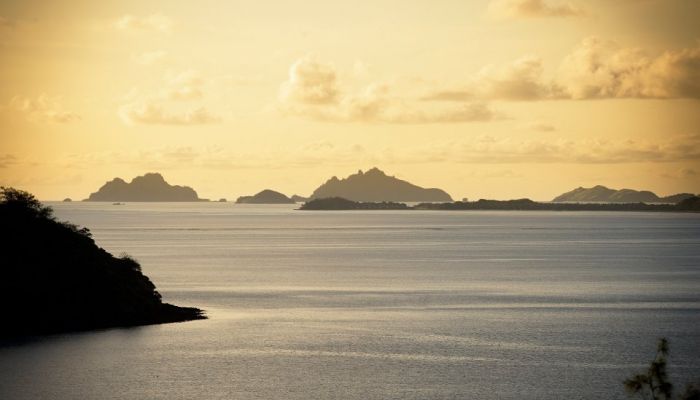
{"x":654,"y":383}
{"x":57,"y":279}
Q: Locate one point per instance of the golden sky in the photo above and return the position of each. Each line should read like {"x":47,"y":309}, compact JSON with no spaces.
{"x":482,"y":98}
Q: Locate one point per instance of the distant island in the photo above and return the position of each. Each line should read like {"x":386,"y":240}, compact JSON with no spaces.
{"x":56,"y":279}
{"x":375,"y":186}
{"x":602,"y":194}
{"x":149,"y":187}
{"x":267,"y":196}
{"x":691,"y":204}
{"x":338,"y":203}
{"x":299,"y":199}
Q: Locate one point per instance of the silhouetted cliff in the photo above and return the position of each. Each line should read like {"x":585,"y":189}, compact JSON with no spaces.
{"x":602,"y":194}
{"x":267,"y":196}
{"x":149,"y":187}
{"x":375,"y":185}
{"x":56,"y":279}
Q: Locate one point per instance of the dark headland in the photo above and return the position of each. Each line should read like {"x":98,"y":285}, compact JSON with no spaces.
{"x":375,"y":186}
{"x":691,"y":204}
{"x":56,"y":279}
{"x":149,"y":187}
{"x":339,"y":203}
{"x":266,"y":196}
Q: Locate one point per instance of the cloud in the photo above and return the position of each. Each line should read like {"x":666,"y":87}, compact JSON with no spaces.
{"x":687,"y":173}
{"x":519,"y":81}
{"x":153,"y":114}
{"x":474,"y":112}
{"x":681,"y":173}
{"x":149,"y":57}
{"x":490,"y":150}
{"x":596,"y":69}
{"x":311,"y":82}
{"x":541,"y":127}
{"x":150,"y":108}
{"x":7,"y":160}
{"x":313,"y":91}
{"x":533,"y":9}
{"x":43,"y":109}
{"x":153,"y":23}
{"x":477,"y":150}
{"x":599,"y":69}
{"x":450,"y":95}
{"x":186,"y":85}
{"x":218,"y":158}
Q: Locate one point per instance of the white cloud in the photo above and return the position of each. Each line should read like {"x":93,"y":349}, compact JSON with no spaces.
{"x":145,"y":108}
{"x":44,"y":108}
{"x":491,"y":150}
{"x":599,"y":69}
{"x":520,"y":81}
{"x":313,"y":91}
{"x":155,"y":22}
{"x":7,"y":160}
{"x":153,"y":114}
{"x":185,"y":85}
{"x":311,"y":82}
{"x":533,"y":9}
{"x":596,"y":69}
{"x":478,"y":150}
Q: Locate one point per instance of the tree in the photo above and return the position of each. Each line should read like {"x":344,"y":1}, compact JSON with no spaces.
{"x":654,"y":383}
{"x":19,"y":201}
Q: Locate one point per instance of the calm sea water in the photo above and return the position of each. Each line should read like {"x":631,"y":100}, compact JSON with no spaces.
{"x":381,"y":305}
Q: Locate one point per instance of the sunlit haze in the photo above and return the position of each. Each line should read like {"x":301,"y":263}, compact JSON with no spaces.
{"x":484,"y":99}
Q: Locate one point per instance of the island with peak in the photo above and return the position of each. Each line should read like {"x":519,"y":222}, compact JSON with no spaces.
{"x":149,"y":187}
{"x":602,"y":194}
{"x":375,"y":186}
{"x":266,"y":196}
{"x":56,"y":279}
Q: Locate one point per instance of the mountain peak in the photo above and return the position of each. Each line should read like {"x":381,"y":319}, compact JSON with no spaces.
{"x":374,"y":185}
{"x":375,"y":171}
{"x":148,"y":187}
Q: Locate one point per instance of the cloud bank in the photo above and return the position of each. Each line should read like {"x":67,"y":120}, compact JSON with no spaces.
{"x":43,"y":108}
{"x":313,"y":90}
{"x":153,"y":114}
{"x":596,"y":69}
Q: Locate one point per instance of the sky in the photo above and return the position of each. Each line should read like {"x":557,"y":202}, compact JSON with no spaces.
{"x":483,"y":98}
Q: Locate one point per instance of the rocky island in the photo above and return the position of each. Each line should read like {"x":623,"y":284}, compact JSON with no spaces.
{"x":602,"y":194}
{"x":56,"y":279}
{"x":149,"y":187}
{"x":266,"y":196}
{"x":375,"y":186}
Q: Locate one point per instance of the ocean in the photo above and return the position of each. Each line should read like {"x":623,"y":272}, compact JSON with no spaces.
{"x":380,"y":305}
